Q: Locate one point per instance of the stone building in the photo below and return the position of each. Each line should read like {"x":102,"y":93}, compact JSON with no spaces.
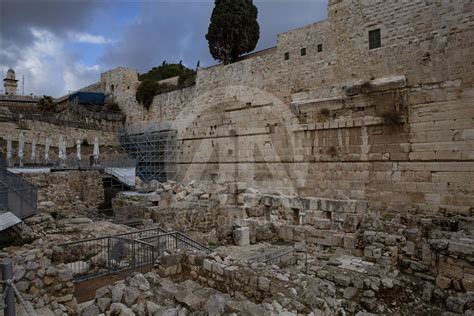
{"x":370,"y":104}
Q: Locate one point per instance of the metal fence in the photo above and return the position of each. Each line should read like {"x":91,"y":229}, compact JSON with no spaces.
{"x":95,"y":257}
{"x":174,"y":241}
{"x":85,"y":163}
{"x":17,"y":195}
{"x":282,"y":257}
{"x":134,"y":251}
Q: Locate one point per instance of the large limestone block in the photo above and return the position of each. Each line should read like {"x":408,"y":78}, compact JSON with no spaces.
{"x":285,"y":232}
{"x":242,"y":236}
{"x":388,"y":83}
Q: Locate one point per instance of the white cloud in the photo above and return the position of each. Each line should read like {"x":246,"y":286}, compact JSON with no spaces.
{"x":88,"y":38}
{"x":47,"y":66}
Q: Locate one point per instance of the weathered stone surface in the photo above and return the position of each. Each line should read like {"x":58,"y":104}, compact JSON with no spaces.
{"x":242,"y":236}
{"x":121,"y":310}
{"x":443,"y":282}
{"x":117,"y":292}
{"x":350,"y":292}
{"x":216,"y":304}
{"x":130,"y":295}
{"x":103,"y":304}
{"x":456,"y":304}
{"x":189,"y":299}
{"x":342,"y":280}
{"x":140,"y":282}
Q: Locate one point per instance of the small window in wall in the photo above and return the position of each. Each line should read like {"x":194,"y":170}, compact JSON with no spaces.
{"x":320,"y":48}
{"x":112,"y":88}
{"x":287,"y":56}
{"x":374,"y":39}
{"x":303,"y":52}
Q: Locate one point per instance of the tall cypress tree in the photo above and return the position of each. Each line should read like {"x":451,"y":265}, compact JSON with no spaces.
{"x":234,"y":29}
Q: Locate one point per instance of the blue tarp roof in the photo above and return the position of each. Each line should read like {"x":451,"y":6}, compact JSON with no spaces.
{"x":88,"y":98}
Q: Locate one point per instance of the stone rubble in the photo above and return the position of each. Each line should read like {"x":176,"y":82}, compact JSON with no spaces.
{"x":348,"y":260}
{"x":42,"y":279}
{"x":150,"y":294}
{"x":390,"y":247}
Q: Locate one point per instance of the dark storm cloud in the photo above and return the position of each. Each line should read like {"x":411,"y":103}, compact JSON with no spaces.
{"x":33,"y":40}
{"x":175,"y":30}
{"x":18,"y":16}
{"x":34,"y":35}
{"x":165,"y":30}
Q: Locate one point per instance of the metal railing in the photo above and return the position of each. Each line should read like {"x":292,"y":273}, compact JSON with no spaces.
{"x":84,"y":163}
{"x":17,"y":195}
{"x":101,"y":256}
{"x":113,"y":171}
{"x":133,"y":251}
{"x":174,"y":241}
{"x":282,"y":257}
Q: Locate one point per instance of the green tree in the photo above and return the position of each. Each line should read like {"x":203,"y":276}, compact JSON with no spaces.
{"x":234,"y":29}
{"x":146,"y":91}
{"x":150,"y":86}
{"x":46,"y":103}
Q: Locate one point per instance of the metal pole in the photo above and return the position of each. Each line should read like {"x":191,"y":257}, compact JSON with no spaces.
{"x":133,"y":255}
{"x":176,"y":242}
{"x":108,"y":255}
{"x":7,"y":276}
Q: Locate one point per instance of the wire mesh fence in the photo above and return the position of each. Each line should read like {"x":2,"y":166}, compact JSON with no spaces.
{"x":17,"y":195}
{"x":133,"y":251}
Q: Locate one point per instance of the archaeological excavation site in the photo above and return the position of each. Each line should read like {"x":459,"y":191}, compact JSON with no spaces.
{"x":332,"y":174}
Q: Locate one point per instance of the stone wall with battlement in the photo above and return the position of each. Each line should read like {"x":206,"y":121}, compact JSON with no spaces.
{"x":392,"y":125}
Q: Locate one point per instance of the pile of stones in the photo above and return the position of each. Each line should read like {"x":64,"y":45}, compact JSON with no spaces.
{"x":41,"y":280}
{"x":150,"y":294}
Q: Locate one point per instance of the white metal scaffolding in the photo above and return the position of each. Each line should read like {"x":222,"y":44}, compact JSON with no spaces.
{"x":154,"y":152}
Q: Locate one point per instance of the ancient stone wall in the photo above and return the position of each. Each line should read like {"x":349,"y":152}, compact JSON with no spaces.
{"x":121,"y":85}
{"x":38,"y":132}
{"x":42,"y":281}
{"x":390,"y":125}
{"x":69,"y":191}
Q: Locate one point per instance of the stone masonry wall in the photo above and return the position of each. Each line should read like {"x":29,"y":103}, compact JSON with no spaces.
{"x":69,"y":191}
{"x":391,"y":125}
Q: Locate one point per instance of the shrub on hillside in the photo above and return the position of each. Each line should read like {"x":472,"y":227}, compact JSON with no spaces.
{"x":147,"y":90}
{"x":164,"y":71}
{"x":46,"y":103}
{"x":187,"y":79}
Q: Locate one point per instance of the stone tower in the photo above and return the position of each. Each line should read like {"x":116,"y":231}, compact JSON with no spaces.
{"x":10,"y":83}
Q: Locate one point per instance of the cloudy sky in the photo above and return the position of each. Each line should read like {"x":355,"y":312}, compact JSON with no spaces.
{"x":62,"y":45}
